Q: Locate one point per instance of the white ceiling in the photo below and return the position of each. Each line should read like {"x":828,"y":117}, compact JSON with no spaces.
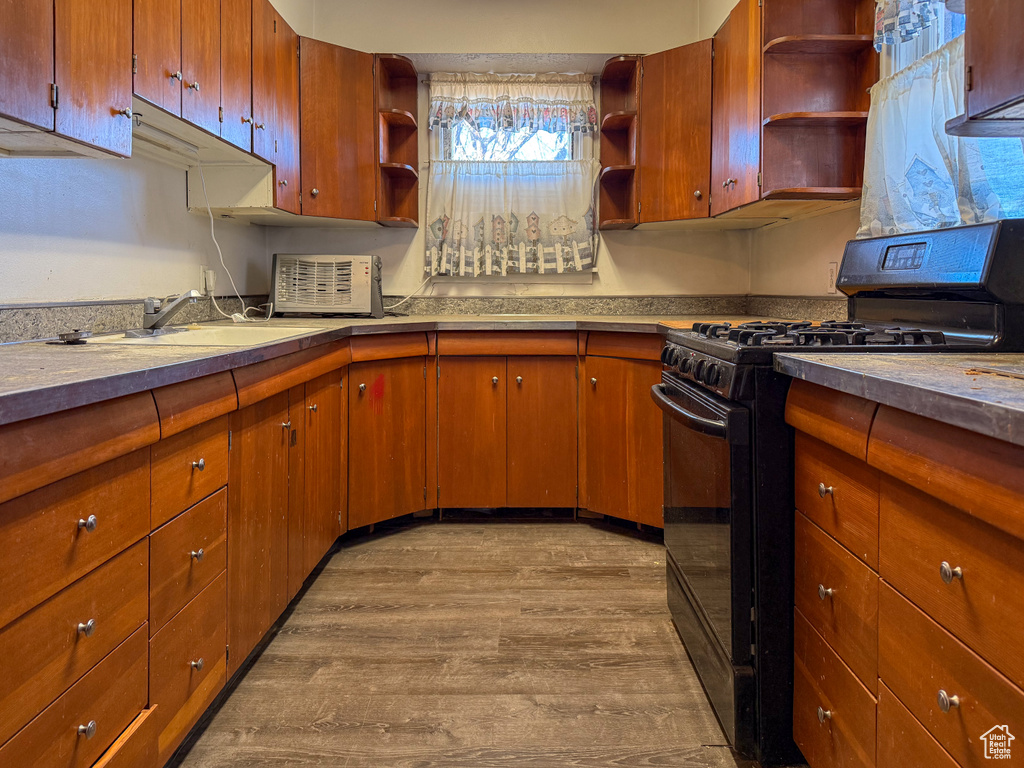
{"x":510,"y":63}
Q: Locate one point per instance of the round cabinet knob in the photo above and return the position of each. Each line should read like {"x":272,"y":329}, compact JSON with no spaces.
{"x":287,"y":424}
{"x":127,"y":112}
{"x":90,"y":524}
{"x":200,"y":465}
{"x":283,"y":182}
{"x":176,"y":76}
{"x":824,"y":714}
{"x":313,"y":407}
{"x":314,"y":192}
{"x":593,"y":382}
{"x":362,"y":387}
{"x":947,"y":702}
{"x":948,"y":573}
{"x":87,"y":628}
{"x":88,"y":730}
{"x":730,"y":182}
{"x":725,"y":185}
{"x":197,"y":555}
{"x":261,"y":126}
{"x":246,"y":119}
{"x":824,"y":593}
{"x":494,"y":380}
{"x":698,"y":194}
{"x":519,"y":379}
{"x":197,"y":665}
{"x":195,"y":87}
{"x":825,"y":490}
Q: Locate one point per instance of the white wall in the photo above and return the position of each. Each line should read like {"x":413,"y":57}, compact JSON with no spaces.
{"x":84,"y":229}
{"x":710,"y":16}
{"x":300,"y":14}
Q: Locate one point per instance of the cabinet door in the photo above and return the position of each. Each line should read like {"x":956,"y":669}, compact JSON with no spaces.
{"x":323,"y":448}
{"x":297,"y":517}
{"x":542,"y":421}
{"x":604,"y":409}
{"x":257,"y":524}
{"x":387,"y":461}
{"x":93,"y":44}
{"x":645,"y":446}
{"x":675,"y":134}
{"x":27,"y":70}
{"x":200,"y":63}
{"x":338,"y":132}
{"x":992,"y":35}
{"x":471,"y":432}
{"x":736,"y":118}
{"x":236,"y":72}
{"x":264,"y":82}
{"x":157,"y":48}
{"x":286,"y":143}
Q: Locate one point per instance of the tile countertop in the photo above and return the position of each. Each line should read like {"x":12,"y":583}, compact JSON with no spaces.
{"x":983,"y":393}
{"x":40,"y":378}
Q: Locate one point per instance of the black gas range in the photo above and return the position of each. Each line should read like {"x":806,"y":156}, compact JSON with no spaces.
{"x":728,"y":452}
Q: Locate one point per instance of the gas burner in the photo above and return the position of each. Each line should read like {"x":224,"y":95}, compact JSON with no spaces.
{"x":915,"y":337}
{"x":824,"y":337}
{"x":778,"y":326}
{"x":842,"y":325}
{"x":711,"y":330}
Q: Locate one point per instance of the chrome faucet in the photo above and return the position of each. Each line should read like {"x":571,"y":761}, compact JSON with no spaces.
{"x":158,"y":312}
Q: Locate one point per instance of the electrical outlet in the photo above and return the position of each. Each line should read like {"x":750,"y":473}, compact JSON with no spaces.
{"x":833,"y":274}
{"x":203,"y":289}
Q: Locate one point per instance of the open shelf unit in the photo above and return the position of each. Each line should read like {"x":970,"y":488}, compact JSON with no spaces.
{"x":620,"y":105}
{"x":397,"y":175}
{"x":818,"y":62}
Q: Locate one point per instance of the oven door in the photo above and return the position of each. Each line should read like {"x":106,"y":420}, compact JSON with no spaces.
{"x":708,"y":530}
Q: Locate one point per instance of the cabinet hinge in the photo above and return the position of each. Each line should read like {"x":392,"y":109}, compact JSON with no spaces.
{"x":229,"y":439}
{"x":54,"y":95}
{"x":300,"y":198}
{"x":275,"y":26}
{"x":220,"y":114}
{"x":577,"y":372}
{"x":227,"y":652}
{"x":374,"y":206}
{"x":969,"y":78}
{"x":759,"y":179}
{"x":339,"y":519}
{"x":439,"y":371}
{"x":424,"y":371}
{"x":135,"y":63}
{"x":424,"y":493}
{"x":753,"y":649}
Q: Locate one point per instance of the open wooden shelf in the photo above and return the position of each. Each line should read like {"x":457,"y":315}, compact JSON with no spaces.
{"x":398,"y":117}
{"x":398,"y":222}
{"x":399,"y":169}
{"x":394,"y":65}
{"x":813,"y":193}
{"x":812,"y":119}
{"x":618,"y":121}
{"x":614,"y":172}
{"x":620,"y":68}
{"x":818,"y":44}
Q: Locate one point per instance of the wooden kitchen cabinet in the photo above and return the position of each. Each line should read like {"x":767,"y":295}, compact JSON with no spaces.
{"x":287,"y":182}
{"x":603,"y":395}
{"x":326,"y":477}
{"x":201,"y":63}
{"x":157,"y":53}
{"x":620,"y":126}
{"x":675,"y":134}
{"x":27,"y":72}
{"x":386,"y":466}
{"x":257,"y":586}
{"x":338,"y":142}
{"x":236,"y":64}
{"x":398,"y":186}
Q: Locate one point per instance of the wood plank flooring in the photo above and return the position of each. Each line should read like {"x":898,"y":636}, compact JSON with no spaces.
{"x":540,"y":644}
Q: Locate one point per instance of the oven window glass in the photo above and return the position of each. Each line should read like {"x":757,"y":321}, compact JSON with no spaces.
{"x":698,"y":520}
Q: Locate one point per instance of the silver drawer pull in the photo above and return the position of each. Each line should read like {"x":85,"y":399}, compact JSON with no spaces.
{"x":88,"y":730}
{"x":197,"y":555}
{"x":87,"y":628}
{"x":197,"y":665}
{"x":519,"y":379}
{"x":313,"y":407}
{"x":90,"y":524}
{"x":823,"y":592}
{"x":948,"y":573}
{"x":947,"y":702}
{"x":494,"y":380}
{"x":593,"y":382}
{"x":287,"y":424}
{"x":200,"y":465}
{"x":825,"y":490}
{"x":824,"y":714}
{"x":362,"y":387}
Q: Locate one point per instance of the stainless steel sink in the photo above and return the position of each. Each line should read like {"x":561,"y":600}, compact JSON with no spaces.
{"x":211,"y":336}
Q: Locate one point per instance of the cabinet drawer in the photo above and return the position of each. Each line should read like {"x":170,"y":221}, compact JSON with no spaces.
{"x":847,"y":618}
{"x":917,"y":659}
{"x":839,"y":493}
{"x":902,"y":740}
{"x":52,"y":653}
{"x":189,"y":467}
{"x":985,"y":606}
{"x":111,"y":696}
{"x":44,"y":547}
{"x":836,"y":418}
{"x":187,"y":665}
{"x":135,"y":747}
{"x":186,"y":555}
{"x":844,"y":736}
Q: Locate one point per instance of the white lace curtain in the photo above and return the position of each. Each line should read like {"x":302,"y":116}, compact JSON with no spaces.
{"x":916,"y":177}
{"x":491,"y":208}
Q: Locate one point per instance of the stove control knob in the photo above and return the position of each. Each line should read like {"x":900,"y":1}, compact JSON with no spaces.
{"x":686,"y":363}
{"x":712,"y":374}
{"x":666,"y":355}
{"x":698,"y":370}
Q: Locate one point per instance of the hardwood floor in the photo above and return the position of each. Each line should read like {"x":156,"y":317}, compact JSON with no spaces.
{"x":466,"y":644}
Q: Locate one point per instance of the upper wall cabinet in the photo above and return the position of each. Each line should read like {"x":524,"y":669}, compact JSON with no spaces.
{"x":236,"y":72}
{"x":620,"y":125}
{"x":675,"y":134}
{"x":398,"y":198}
{"x":65,"y":79}
{"x":994,"y":78}
{"x":338,"y":132}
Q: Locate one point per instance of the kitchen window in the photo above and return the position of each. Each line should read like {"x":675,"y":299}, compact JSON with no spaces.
{"x":512,"y":178}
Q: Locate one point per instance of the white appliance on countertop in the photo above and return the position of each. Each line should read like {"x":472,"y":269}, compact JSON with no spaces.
{"x":327,"y":285}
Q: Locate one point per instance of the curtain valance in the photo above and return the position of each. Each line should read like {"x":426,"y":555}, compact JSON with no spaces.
{"x":897,"y":21}
{"x":556,"y":103}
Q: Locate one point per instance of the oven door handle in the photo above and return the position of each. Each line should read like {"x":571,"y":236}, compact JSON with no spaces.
{"x":697,"y":423}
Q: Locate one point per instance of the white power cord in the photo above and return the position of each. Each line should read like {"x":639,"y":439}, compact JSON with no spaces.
{"x":395,"y":306}
{"x":238,"y":317}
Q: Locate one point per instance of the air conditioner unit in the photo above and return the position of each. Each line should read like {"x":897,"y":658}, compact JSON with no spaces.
{"x":327,"y":285}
